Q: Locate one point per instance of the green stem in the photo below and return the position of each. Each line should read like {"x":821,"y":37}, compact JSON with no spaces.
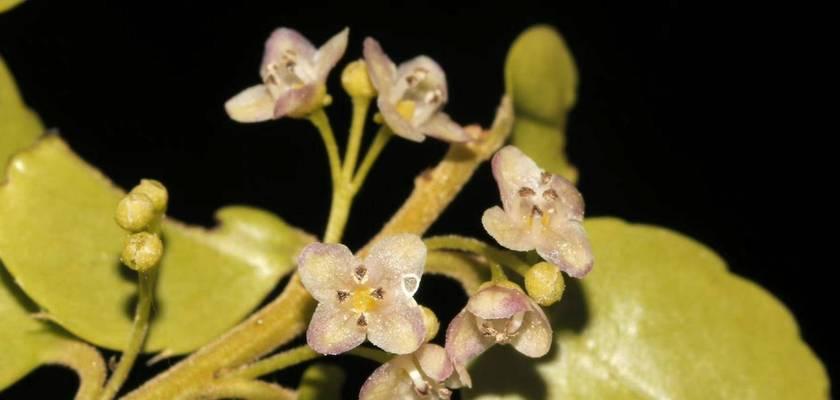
{"x":497,"y":274}
{"x":138,"y":334}
{"x":322,"y":122}
{"x":379,"y":141}
{"x":243,"y":389}
{"x":503,"y":257}
{"x":357,"y":127}
{"x":293,"y":357}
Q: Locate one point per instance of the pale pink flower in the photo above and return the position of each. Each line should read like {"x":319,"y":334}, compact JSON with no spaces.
{"x":411,"y":96}
{"x":497,"y":314}
{"x":425,"y":374}
{"x":370,"y":298}
{"x":540,"y":211}
{"x":293,"y":72}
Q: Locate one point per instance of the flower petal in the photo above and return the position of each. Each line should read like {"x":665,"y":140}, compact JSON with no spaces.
{"x":293,"y":101}
{"x":399,"y":125}
{"x":434,"y":362}
{"x":514,"y":170}
{"x":396,"y":262}
{"x":506,"y":231}
{"x":334,"y":330}
{"x":566,"y":246}
{"x":442,"y":127}
{"x":253,"y":104}
{"x":284,"y":40}
{"x":434,"y":75}
{"x":535,"y":336}
{"x":326,"y":268}
{"x":388,"y":382}
{"x":328,"y":55}
{"x":397,"y":328}
{"x":497,"y":302}
{"x":569,"y":197}
{"x":464,"y":343}
{"x":381,"y":69}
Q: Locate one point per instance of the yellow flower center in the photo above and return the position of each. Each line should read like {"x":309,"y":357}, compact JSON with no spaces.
{"x":406,"y":109}
{"x":362,"y":300}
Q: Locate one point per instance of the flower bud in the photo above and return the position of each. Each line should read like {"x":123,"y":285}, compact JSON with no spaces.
{"x":155,"y":191}
{"x":142,"y":251}
{"x":356,"y":81}
{"x":135,"y":212}
{"x":544,"y":283}
{"x":431,"y":322}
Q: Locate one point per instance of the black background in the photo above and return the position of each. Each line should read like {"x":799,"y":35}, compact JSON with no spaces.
{"x":687,"y":118}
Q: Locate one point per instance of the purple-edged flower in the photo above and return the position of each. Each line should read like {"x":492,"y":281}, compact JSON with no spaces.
{"x":370,"y":298}
{"x":411,"y":96}
{"x":293,"y":72}
{"x":497,"y":314}
{"x":425,"y":374}
{"x":540,"y":211}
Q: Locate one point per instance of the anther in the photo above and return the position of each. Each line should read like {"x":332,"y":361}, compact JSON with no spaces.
{"x":360,"y":272}
{"x":379,"y":293}
{"x":434,"y":96}
{"x":545,"y":177}
{"x":526,"y":192}
{"x":550,"y":195}
{"x":342,"y":295}
{"x":416,"y":77}
{"x":362,"y":321}
{"x":536,"y":211}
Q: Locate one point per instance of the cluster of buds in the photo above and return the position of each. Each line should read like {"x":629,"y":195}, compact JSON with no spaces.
{"x":372,"y":298}
{"x":140,"y":213}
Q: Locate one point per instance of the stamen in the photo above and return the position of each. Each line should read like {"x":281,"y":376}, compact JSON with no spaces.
{"x":535,"y":211}
{"x":545,"y":177}
{"x":550,"y":195}
{"x":342,"y":295}
{"x":416,"y":77}
{"x":444,"y":393}
{"x":360,"y":272}
{"x":434,"y":96}
{"x":379,"y":293}
{"x":526,"y":192}
{"x":417,"y":380}
{"x":362,"y":321}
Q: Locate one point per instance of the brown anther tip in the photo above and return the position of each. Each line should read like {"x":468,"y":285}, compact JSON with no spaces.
{"x":362,"y":321}
{"x":545,"y":177}
{"x":360,"y":272}
{"x":526,"y":192}
{"x":550,"y":194}
{"x":342,"y":295}
{"x":536,"y":211}
{"x":379,"y":293}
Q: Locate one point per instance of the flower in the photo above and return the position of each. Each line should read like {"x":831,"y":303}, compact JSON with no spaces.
{"x":499,"y":313}
{"x":411,"y":96}
{"x":294,"y":75}
{"x":541,"y":211}
{"x":371,"y":297}
{"x":421,"y":375}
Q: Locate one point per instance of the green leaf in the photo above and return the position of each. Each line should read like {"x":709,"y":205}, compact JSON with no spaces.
{"x":659,"y":317}
{"x":19,"y":127}
{"x":60,"y":242}
{"x":541,"y":77}
{"x":29,"y":343}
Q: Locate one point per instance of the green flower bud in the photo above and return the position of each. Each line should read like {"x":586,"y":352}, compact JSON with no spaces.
{"x":431,"y":322}
{"x":544,"y":283}
{"x":155,"y":191}
{"x":142,"y":251}
{"x":135,"y":212}
{"x":356,"y":81}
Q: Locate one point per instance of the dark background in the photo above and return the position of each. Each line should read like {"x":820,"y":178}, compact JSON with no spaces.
{"x":687,"y":118}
